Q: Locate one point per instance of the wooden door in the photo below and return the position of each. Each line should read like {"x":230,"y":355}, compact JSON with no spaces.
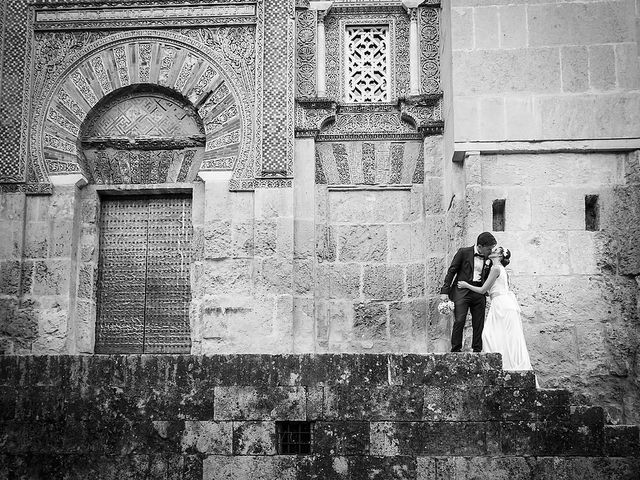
{"x":144,"y":275}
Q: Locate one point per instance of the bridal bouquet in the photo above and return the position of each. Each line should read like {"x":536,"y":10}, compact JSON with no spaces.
{"x":445,"y":307}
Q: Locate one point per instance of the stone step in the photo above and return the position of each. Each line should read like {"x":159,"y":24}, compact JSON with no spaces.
{"x":380,"y":413}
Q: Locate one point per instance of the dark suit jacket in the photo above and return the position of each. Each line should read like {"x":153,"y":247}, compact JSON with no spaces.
{"x":462,"y":269}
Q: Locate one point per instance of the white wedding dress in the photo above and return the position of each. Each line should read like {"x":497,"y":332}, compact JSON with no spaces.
{"x":502,"y":331}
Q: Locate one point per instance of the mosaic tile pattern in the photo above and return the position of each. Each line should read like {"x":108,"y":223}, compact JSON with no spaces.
{"x":278,"y":113}
{"x":15,"y":18}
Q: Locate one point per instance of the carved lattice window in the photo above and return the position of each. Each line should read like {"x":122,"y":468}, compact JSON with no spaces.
{"x":367,"y":63}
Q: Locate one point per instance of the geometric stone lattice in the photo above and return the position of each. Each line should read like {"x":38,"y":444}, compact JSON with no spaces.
{"x":145,"y":116}
{"x":367,"y":64}
{"x":141,"y":135}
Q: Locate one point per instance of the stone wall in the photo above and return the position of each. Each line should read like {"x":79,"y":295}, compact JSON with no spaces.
{"x":545,"y":70}
{"x":419,"y":417}
{"x":578,"y":289}
{"x":41,"y":235}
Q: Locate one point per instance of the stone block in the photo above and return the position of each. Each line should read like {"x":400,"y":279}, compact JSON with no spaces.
{"x":602,"y":68}
{"x":61,"y":238}
{"x":51,"y":277}
{"x":622,"y":440}
{"x":303,"y":239}
{"x":274,"y":275}
{"x":303,"y":325}
{"x":500,"y":72}
{"x":10,"y":248}
{"x":369,"y":321}
{"x":61,"y":205}
{"x":339,"y":280}
{"x":265,"y":238}
{"x":222,"y":277}
{"x":271,"y":203}
{"x":560,"y":208}
{"x":415,"y":280}
{"x":10,"y":273}
{"x":12,"y":206}
{"x":334,"y":323}
{"x":435,"y":270}
{"x":37,"y":238}
{"x":207,"y":437}
{"x":399,"y":236}
{"x":433,"y":196}
{"x":366,"y":206}
{"x":429,"y":438}
{"x":325,"y":243}
{"x":407,"y":322}
{"x":435,"y":237}
{"x":362,"y":243}
{"x":284,"y":236}
{"x":85,"y":326}
{"x":486,"y":28}
{"x":254,"y":438}
{"x":459,"y":403}
{"x":493,"y":108}
{"x":520,"y":119}
{"x":490,"y":468}
{"x":255,"y":403}
{"x":383,"y":282}
{"x":303,"y":277}
{"x":217,"y":239}
{"x":581,"y":23}
{"x":376,"y":402}
{"x":466,"y":121}
{"x":627,"y":65}
{"x":86,"y":284}
{"x":341,"y":438}
{"x":513,"y":26}
{"x":216,"y":467}
{"x":462,"y":28}
{"x":575,"y":68}
{"x":433,"y":156}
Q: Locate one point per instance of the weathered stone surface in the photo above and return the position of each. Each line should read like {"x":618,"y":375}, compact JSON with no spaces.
{"x":429,"y":438}
{"x":325,"y":243}
{"x":370,"y":321}
{"x":580,"y":23}
{"x":520,"y":70}
{"x":255,"y":403}
{"x":341,"y":438}
{"x":338,"y":280}
{"x":208,"y":437}
{"x":51,"y":277}
{"x":362,"y":243}
{"x":254,"y":438}
{"x":221,"y":277}
{"x":383,"y":282}
{"x":375,"y":207}
{"x":407,"y":322}
{"x":373,"y":403}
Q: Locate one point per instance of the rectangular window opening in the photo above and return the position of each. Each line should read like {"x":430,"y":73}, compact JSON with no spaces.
{"x":591,"y":213}
{"x":498,"y":214}
{"x":367,"y":63}
{"x":294,"y":438}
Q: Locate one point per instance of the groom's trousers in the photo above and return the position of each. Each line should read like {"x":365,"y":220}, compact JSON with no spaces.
{"x":466,"y":300}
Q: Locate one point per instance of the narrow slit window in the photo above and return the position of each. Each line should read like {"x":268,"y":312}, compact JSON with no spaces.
{"x":294,"y":438}
{"x":498,"y":214}
{"x":591,"y":213}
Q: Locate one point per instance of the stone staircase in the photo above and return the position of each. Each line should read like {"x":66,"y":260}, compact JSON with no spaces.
{"x":426,"y":417}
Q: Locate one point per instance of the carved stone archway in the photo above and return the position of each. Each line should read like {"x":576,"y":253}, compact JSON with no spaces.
{"x":141,"y":134}
{"x":131,"y":60}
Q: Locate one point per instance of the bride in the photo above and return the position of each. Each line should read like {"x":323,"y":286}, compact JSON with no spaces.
{"x":502,"y":331}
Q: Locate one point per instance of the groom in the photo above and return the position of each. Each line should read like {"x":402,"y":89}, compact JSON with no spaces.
{"x":471,"y":265}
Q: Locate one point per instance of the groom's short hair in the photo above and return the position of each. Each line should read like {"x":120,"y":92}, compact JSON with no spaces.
{"x":486,"y":239}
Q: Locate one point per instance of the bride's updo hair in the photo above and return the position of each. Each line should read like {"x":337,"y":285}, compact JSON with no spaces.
{"x":506,"y":255}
